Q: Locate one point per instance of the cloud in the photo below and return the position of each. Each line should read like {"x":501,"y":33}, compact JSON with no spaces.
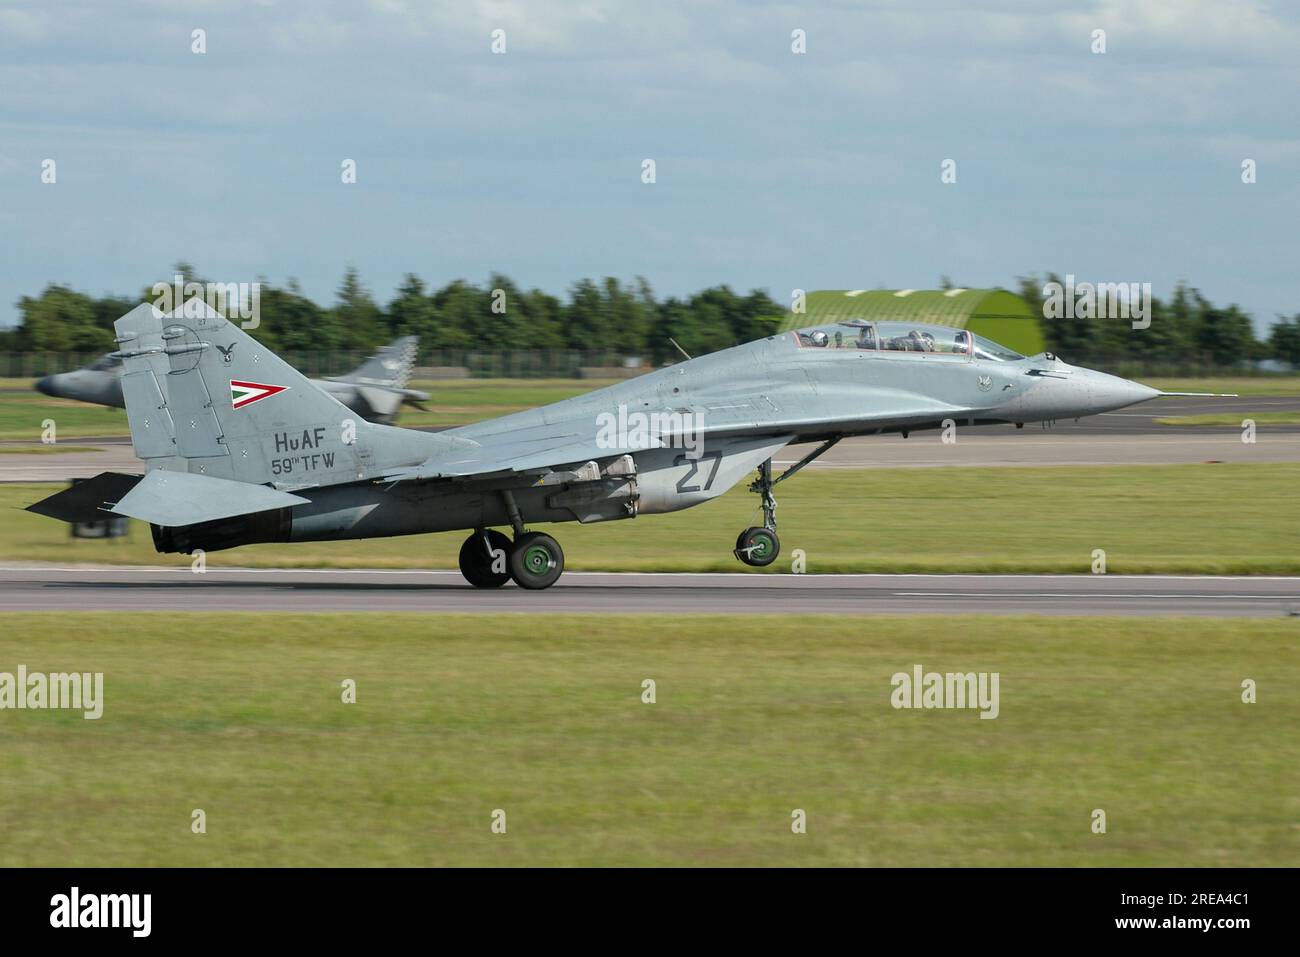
{"x":775,"y":169}
{"x":1209,"y":27}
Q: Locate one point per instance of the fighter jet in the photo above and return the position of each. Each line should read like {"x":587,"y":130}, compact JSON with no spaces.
{"x":240,"y":448}
{"x":375,"y":390}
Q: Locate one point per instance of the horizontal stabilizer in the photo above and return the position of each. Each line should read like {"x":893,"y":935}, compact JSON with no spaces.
{"x":88,"y":501}
{"x":187,"y":498}
{"x":384,"y":402}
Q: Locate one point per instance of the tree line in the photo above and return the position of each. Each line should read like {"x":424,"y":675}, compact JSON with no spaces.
{"x":608,"y":316}
{"x":617,"y":318}
{"x":1184,"y":328}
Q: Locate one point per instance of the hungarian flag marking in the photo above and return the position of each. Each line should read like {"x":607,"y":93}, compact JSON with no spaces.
{"x":246,"y":393}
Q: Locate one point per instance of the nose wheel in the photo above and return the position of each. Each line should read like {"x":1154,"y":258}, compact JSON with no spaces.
{"x":758,"y":545}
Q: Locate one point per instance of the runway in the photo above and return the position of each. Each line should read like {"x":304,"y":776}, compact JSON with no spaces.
{"x":82,"y":588}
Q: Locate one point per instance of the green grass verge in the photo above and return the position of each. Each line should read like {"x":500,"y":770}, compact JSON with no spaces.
{"x":456,"y":716}
{"x":22,"y":416}
{"x":1243,"y":385}
{"x":1234,"y":421}
{"x":1219,"y":519}
{"x":39,"y":448}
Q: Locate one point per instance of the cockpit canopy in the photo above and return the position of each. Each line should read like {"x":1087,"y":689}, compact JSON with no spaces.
{"x":903,"y":337}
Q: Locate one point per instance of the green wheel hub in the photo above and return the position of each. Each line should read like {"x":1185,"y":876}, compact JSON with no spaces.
{"x":538,"y":559}
{"x":758,"y":546}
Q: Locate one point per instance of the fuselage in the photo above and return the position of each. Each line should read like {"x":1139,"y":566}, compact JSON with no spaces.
{"x":786,"y":384}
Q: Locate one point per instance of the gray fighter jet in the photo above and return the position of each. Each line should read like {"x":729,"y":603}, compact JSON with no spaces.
{"x":376,"y":390}
{"x":240,"y":448}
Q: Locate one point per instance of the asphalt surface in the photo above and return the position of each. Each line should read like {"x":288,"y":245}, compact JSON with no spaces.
{"x":45,"y":588}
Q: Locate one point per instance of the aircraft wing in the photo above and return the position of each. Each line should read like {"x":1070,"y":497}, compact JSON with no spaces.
{"x":526,"y":443}
{"x":505,"y":456}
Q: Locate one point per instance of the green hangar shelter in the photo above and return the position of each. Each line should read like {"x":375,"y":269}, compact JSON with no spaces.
{"x":995,"y":314}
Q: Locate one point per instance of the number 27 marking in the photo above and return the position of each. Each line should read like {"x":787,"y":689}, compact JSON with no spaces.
{"x":695,"y":468}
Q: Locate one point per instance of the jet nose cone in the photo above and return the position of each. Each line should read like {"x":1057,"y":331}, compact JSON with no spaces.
{"x":46,"y":385}
{"x":1112,"y":392}
{"x":1130,"y":392}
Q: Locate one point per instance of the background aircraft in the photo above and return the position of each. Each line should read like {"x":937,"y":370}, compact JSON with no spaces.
{"x":241,"y":448}
{"x":375,"y":390}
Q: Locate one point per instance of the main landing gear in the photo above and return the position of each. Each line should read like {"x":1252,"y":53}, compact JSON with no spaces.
{"x":758,"y":545}
{"x":488,"y":559}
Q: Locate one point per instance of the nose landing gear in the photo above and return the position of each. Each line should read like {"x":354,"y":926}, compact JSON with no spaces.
{"x":758,"y":545}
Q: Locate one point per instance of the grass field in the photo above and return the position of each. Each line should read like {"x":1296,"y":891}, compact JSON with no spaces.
{"x":1218,"y":519}
{"x":1234,"y":421}
{"x":1243,"y":385}
{"x":39,"y":449}
{"x":457,"y":716}
{"x":22,"y":415}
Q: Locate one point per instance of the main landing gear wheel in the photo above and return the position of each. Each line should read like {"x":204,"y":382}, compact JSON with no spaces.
{"x":758,"y":546}
{"x":484,"y":559}
{"x":536,"y":560}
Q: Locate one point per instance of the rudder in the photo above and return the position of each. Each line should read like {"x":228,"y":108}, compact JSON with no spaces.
{"x":234,"y":409}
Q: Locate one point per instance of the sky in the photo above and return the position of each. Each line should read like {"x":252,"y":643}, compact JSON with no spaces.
{"x":773,"y":169}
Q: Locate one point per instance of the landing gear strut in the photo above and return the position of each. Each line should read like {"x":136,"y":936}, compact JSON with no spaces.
{"x":488,"y":559}
{"x":759,"y":545}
